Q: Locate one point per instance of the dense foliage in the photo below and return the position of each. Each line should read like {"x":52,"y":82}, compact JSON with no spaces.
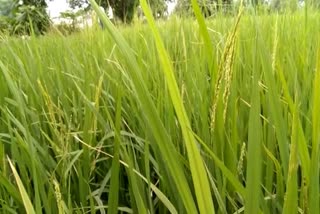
{"x":24,"y":17}
{"x":131,"y":120}
{"x":5,"y":7}
{"x":125,"y":9}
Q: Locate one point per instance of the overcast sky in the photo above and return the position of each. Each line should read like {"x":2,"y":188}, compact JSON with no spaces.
{"x":55,"y":7}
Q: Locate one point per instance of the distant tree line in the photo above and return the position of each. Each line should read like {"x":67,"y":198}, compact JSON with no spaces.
{"x":125,"y":9}
{"x":19,"y":16}
{"x":210,"y":7}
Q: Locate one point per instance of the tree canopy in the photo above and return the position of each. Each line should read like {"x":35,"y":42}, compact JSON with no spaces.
{"x":208,"y":7}
{"x":5,"y":7}
{"x":24,"y":17}
{"x":125,"y":9}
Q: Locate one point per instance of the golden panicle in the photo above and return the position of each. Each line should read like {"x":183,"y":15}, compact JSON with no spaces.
{"x":58,"y":196}
{"x":241,"y":159}
{"x":224,"y":77}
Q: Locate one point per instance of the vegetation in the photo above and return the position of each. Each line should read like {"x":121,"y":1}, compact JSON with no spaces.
{"x":24,"y":17}
{"x":183,"y":116}
{"x":208,"y":7}
{"x":125,"y":9}
{"x":30,"y":16}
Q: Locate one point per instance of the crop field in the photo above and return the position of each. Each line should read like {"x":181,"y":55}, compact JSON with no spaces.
{"x":164,"y":117}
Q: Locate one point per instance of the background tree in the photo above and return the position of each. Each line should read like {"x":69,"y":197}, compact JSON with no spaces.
{"x":208,"y":7}
{"x":5,"y":7}
{"x":31,"y":16}
{"x":25,"y":16}
{"x":124,"y":9}
{"x":37,"y":3}
{"x":159,"y":7}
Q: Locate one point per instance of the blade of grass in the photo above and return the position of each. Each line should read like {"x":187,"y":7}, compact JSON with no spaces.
{"x":314,"y":195}
{"x":206,"y":38}
{"x":24,"y":195}
{"x":291,"y":197}
{"x":115,"y":168}
{"x":254,"y":159}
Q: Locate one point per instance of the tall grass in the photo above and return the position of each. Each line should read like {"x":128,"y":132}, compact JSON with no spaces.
{"x":164,"y":117}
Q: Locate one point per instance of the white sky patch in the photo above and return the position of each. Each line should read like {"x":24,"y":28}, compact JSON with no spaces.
{"x":55,"y":7}
{"x":171,"y":6}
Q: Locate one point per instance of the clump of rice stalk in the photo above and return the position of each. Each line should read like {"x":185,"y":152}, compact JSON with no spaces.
{"x":57,"y":125}
{"x":275,"y":46}
{"x":291,"y":195}
{"x":225,"y":73}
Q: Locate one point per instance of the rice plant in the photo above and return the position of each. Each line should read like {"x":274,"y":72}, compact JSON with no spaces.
{"x":183,"y":116}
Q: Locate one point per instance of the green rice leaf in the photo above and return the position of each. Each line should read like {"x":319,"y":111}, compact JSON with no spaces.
{"x":24,"y":195}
